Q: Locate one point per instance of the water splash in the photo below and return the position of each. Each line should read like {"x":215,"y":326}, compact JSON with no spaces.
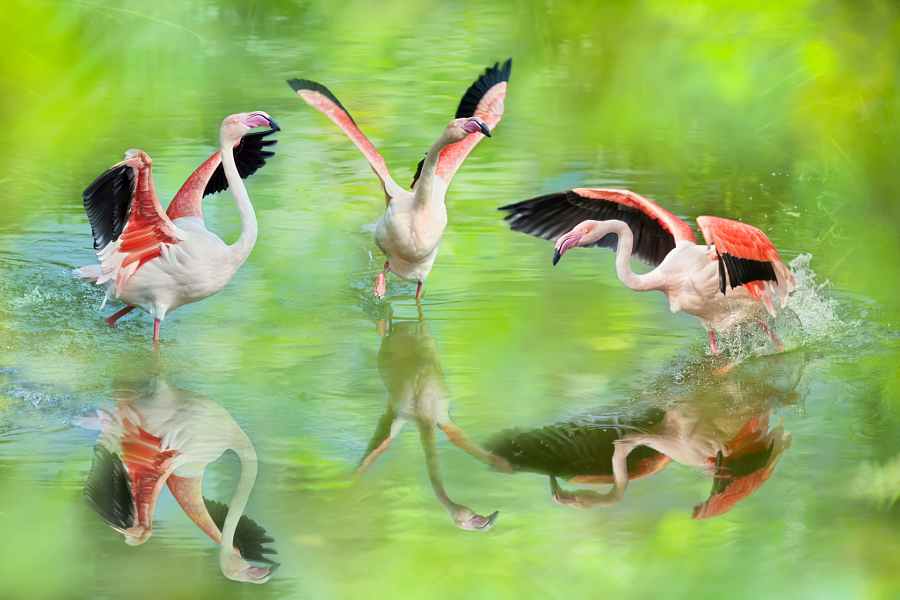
{"x":809,"y":318}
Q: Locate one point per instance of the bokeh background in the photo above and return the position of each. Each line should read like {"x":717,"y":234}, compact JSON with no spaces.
{"x":784,"y":115}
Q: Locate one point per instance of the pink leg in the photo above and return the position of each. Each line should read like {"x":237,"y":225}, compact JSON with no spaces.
{"x":712,"y":343}
{"x":778,"y":345}
{"x":156,"y":324}
{"x":111,"y":321}
{"x":381,"y":282}
{"x":419,"y":291}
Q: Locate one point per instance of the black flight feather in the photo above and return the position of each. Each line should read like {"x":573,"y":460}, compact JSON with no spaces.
{"x":306,"y":84}
{"x":249,"y":537}
{"x":249,"y":156}
{"x":568,"y":450}
{"x":492,"y":76}
{"x":734,"y":468}
{"x":107,"y":202}
{"x":108,"y":490}
{"x":552,"y":215}
{"x":743,"y":270}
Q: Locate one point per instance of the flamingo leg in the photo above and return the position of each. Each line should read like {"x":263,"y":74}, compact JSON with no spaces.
{"x":111,"y":321}
{"x":381,"y":282}
{"x":778,"y":345}
{"x":461,"y":438}
{"x":712,"y":343}
{"x":156,"y":324}
{"x":419,"y":291}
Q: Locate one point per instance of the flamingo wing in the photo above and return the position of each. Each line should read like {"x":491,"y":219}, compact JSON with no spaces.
{"x":320,"y":97}
{"x":743,"y":472}
{"x":127,"y":221}
{"x":249,"y":537}
{"x":108,"y":490}
{"x":484,"y":99}
{"x":656,"y":230}
{"x":250,"y":155}
{"x":747,"y":257}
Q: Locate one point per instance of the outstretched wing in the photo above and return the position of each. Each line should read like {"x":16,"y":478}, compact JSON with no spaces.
{"x":127,"y":221}
{"x":656,"y":230}
{"x":747,"y":257}
{"x":320,"y":98}
{"x":484,"y":99}
{"x":250,"y":155}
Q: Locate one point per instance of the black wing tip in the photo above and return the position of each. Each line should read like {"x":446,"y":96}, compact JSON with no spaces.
{"x":418,"y":173}
{"x":308,"y":84}
{"x":491,"y":77}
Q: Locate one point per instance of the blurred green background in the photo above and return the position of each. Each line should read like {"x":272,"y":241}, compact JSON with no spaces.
{"x":783,"y":115}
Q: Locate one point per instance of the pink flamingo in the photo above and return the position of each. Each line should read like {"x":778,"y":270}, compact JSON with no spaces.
{"x":409,"y":232}
{"x":725,"y":283}
{"x":168,"y":435}
{"x":158,"y":261}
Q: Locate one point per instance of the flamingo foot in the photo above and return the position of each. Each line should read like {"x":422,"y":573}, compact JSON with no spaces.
{"x":156,"y":324}
{"x":111,"y":321}
{"x":419,"y":291}
{"x":712,"y":343}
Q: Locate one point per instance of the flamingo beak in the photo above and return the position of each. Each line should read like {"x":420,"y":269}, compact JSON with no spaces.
{"x":570,"y":240}
{"x":476,"y":125}
{"x":487,"y":132}
{"x":272,"y":123}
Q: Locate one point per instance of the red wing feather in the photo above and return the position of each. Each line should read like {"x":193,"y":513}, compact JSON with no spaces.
{"x":188,"y":201}
{"x":747,"y":257}
{"x":148,"y":226}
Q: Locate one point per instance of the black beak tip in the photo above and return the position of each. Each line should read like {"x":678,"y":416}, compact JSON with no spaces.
{"x":556,"y":256}
{"x":484,"y":129}
{"x":273,"y":124}
{"x":493,"y":518}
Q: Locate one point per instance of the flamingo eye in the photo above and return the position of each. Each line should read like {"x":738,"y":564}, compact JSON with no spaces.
{"x":585,"y":230}
{"x":234,"y":120}
{"x":456,"y":124}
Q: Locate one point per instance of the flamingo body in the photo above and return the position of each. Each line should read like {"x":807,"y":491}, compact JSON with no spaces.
{"x":733,"y":279}
{"x":163,"y":435}
{"x":158,"y":261}
{"x":410,"y":229}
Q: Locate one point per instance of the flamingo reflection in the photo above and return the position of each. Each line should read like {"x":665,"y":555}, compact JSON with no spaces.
{"x":161,"y":434}
{"x":409,"y":362}
{"x":718,"y":422}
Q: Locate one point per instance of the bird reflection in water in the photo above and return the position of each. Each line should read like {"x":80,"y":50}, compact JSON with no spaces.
{"x":410,"y":366}
{"x":161,"y":434}
{"x":718,"y":422}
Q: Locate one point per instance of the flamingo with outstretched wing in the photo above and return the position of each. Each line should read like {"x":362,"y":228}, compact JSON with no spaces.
{"x":409,"y":232}
{"x":158,"y":261}
{"x":731,"y":280}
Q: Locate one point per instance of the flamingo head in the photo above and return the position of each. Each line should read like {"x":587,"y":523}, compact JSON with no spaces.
{"x":234,"y":567}
{"x":234,"y":127}
{"x":584,"y":234}
{"x":465,"y":518}
{"x":459,"y":129}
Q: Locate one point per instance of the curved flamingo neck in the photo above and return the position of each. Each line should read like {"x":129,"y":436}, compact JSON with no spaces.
{"x":249,"y":467}
{"x":425,"y":188}
{"x":428,"y":437}
{"x":632,"y":280}
{"x":241,"y":249}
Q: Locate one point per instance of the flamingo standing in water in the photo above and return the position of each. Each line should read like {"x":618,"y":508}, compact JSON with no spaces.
{"x":410,"y":366}
{"x":409,"y":232}
{"x":164,"y":434}
{"x":156,"y":260}
{"x":725,"y":283}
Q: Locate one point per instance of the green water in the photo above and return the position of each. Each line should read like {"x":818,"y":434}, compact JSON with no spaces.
{"x":785,"y":116}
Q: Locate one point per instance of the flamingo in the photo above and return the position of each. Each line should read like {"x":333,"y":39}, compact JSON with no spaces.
{"x":725,"y":283}
{"x":410,"y":365}
{"x":719,"y":426}
{"x":158,"y":261}
{"x":409,"y":232}
{"x":163,"y":434}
